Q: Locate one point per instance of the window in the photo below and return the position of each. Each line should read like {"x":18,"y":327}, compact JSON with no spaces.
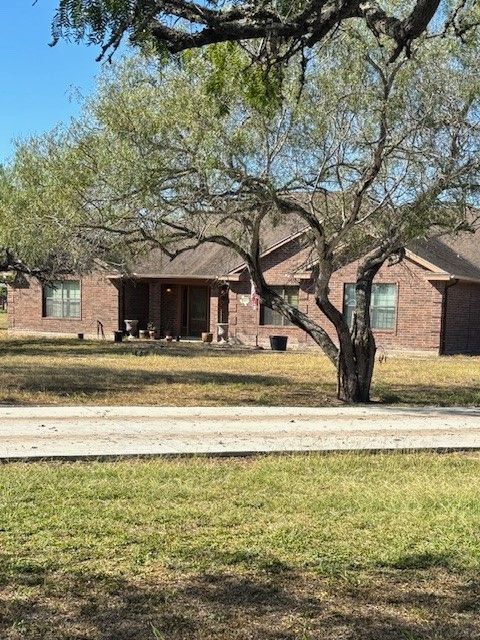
{"x":382,"y":306}
{"x":271,"y":317}
{"x":62,"y":299}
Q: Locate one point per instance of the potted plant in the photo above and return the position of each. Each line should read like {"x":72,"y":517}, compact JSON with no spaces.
{"x":152,"y":329}
{"x":168,"y":335}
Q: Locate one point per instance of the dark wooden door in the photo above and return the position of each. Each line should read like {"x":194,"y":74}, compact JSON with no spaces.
{"x":196,"y":301}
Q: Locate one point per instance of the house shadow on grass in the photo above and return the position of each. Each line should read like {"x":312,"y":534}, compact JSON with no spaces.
{"x":72,"y":347}
{"x":428,"y":605}
{"x":97,"y":382}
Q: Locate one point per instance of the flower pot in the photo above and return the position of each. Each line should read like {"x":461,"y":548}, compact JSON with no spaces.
{"x":278,"y":343}
{"x":222,"y":331}
{"x":144,"y":334}
{"x":131,"y":327}
{"x":207,"y":336}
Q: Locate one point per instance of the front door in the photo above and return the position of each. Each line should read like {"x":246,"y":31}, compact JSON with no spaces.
{"x":194,"y":310}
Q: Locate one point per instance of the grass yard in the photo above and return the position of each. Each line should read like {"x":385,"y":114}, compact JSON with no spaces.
{"x":66,"y":371}
{"x":349,"y":547}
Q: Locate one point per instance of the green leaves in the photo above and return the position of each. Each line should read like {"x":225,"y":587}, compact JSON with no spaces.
{"x":95,"y":19}
{"x":165,"y":154}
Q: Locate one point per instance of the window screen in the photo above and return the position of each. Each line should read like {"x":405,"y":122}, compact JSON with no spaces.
{"x":270,"y":317}
{"x":62,"y":299}
{"x":382,"y":306}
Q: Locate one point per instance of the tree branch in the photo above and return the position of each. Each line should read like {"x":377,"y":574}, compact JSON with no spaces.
{"x":178,"y":25}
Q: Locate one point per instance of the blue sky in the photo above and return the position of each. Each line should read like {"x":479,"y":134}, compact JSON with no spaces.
{"x":37,"y":80}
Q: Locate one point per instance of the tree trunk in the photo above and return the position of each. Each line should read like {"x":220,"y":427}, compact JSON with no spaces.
{"x":356,"y":360}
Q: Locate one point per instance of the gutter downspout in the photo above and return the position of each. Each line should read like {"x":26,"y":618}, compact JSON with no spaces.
{"x":448,"y":285}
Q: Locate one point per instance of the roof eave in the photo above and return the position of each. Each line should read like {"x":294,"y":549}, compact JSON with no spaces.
{"x":438,"y":274}
{"x":448,"y":277}
{"x":423,"y":263}
{"x":162,"y":276}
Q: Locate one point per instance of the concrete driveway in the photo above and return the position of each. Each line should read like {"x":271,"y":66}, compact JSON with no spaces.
{"x":82,"y":432}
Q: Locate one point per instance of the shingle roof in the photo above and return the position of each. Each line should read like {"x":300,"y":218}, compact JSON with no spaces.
{"x":457,"y":255}
{"x":210,"y":260}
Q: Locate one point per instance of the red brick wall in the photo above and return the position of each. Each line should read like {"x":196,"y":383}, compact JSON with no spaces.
{"x":462,"y":319}
{"x":99,"y":302}
{"x":418,"y":322}
{"x":419,"y":304}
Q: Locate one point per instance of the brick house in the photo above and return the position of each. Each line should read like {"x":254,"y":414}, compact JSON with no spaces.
{"x":429,"y":302}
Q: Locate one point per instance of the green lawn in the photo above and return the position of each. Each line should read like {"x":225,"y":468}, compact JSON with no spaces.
{"x":382,"y":547}
{"x":67,"y":371}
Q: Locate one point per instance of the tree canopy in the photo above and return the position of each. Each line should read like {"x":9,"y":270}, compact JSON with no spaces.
{"x":365,"y":155}
{"x":279,"y":28}
{"x":38,"y":239}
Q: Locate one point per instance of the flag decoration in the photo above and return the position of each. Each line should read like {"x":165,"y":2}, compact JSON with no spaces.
{"x":254,"y":298}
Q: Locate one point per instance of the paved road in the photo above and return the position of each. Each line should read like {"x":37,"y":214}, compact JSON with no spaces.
{"x":79,"y":432}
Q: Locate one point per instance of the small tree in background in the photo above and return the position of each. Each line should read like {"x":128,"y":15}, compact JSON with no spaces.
{"x":366,"y":155}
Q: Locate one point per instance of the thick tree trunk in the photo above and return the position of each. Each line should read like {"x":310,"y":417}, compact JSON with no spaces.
{"x":354,"y":357}
{"x":355,"y":366}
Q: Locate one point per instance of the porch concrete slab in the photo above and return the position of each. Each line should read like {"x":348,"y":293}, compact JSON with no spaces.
{"x":83,"y":432}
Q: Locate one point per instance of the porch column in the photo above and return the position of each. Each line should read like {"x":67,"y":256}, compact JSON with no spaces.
{"x":155,"y":302}
{"x":213,"y":309}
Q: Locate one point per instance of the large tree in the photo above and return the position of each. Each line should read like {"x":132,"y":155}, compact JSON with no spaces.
{"x":365,"y":154}
{"x":277,"y":28}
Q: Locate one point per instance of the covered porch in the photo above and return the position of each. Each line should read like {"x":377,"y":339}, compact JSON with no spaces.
{"x":183,"y":307}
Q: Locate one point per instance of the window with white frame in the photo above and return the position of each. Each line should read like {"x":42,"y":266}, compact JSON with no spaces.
{"x":270,"y":317}
{"x":62,"y":299}
{"x":383,"y":305}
